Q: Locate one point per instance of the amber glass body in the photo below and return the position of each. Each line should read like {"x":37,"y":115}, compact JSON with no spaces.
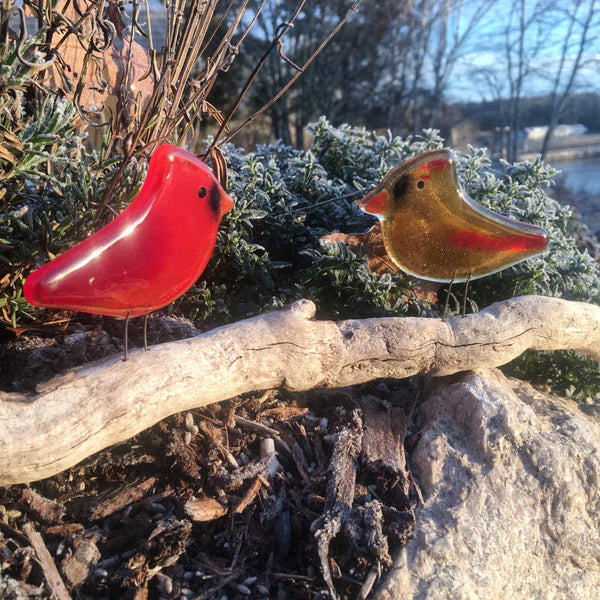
{"x":434,"y":231}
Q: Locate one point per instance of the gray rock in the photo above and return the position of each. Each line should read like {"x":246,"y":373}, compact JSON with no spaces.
{"x":510,"y":479}
{"x":76,"y":567}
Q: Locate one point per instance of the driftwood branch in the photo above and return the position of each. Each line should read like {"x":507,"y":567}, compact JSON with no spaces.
{"x":84,"y":411}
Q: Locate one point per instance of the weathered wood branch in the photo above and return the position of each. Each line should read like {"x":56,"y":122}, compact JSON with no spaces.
{"x":84,"y":411}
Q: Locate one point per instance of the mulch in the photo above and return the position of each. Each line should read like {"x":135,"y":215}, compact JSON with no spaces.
{"x":270,"y":495}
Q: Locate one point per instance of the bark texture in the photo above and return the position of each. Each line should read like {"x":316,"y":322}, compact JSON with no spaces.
{"x":88,"y":409}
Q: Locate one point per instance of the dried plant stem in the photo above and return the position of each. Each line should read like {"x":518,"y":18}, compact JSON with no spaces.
{"x":275,"y":42}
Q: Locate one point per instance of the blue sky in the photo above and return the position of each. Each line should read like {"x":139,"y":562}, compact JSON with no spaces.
{"x":483,"y":63}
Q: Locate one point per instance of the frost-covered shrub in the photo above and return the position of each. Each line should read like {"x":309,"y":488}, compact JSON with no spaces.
{"x":270,"y":251}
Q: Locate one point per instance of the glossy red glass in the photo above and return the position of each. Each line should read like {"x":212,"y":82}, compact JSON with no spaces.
{"x":433,"y":230}
{"x":150,"y":254}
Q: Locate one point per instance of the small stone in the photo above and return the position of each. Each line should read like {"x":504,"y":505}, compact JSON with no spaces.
{"x":261,"y":589}
{"x":76,"y":567}
{"x":164,"y":584}
{"x":189,"y":420}
{"x":267,"y":446}
{"x":204,"y":509}
{"x":242,"y":589}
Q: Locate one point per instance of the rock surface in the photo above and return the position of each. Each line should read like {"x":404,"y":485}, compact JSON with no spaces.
{"x":510,"y":479}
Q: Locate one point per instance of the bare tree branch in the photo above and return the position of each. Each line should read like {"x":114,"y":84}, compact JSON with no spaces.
{"x":559,"y":99}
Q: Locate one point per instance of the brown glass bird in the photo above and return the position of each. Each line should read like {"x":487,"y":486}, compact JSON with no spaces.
{"x":433,"y":230}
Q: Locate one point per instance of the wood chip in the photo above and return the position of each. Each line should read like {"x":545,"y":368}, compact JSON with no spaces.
{"x":284,"y":413}
{"x":65,"y":529}
{"x":215,"y":435}
{"x":76,"y":567}
{"x":383,"y":437}
{"x":347,"y":443}
{"x":365,"y":590}
{"x":249,"y":496}
{"x":111,"y":501}
{"x":53,"y":578}
{"x":45,"y":510}
{"x":204,"y":509}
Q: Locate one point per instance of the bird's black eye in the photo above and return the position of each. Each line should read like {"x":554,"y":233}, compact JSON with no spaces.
{"x":400,"y":188}
{"x":420,"y":184}
{"x":202,"y":192}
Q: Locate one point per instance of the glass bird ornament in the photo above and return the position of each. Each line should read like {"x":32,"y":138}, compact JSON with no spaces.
{"x":434,"y":231}
{"x":151,"y":254}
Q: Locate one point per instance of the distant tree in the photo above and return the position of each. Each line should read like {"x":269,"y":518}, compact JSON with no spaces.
{"x":524,"y":35}
{"x":540,"y":39}
{"x":582,"y":30}
{"x":405,"y":84}
{"x":419,"y":50}
{"x":453,"y":29}
{"x":341,"y":83}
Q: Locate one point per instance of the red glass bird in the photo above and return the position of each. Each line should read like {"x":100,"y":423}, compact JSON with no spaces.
{"x":150,"y":254}
{"x":433,"y":230}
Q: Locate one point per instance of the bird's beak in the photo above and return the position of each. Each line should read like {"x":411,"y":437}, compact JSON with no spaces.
{"x":226,"y":203}
{"x":375,"y":203}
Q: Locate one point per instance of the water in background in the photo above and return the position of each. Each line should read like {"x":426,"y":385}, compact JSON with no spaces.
{"x":580,"y":174}
{"x":580,"y":177}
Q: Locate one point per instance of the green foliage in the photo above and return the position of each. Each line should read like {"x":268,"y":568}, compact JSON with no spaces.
{"x":564,"y":371}
{"x":354,"y":155}
{"x":343,"y":282}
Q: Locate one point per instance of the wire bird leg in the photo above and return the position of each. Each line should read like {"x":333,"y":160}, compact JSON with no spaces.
{"x":146,"y":331}
{"x":464,"y":306}
{"x":447,"y":299}
{"x":125,"y":354}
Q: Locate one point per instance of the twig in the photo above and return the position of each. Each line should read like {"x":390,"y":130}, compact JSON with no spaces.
{"x":370,"y":580}
{"x":305,"y":209}
{"x":53,"y":578}
{"x":281,"y":30}
{"x":293,"y":80}
{"x":210,"y":593}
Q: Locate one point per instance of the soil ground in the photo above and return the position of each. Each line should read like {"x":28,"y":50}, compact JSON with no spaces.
{"x":270,"y":495}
